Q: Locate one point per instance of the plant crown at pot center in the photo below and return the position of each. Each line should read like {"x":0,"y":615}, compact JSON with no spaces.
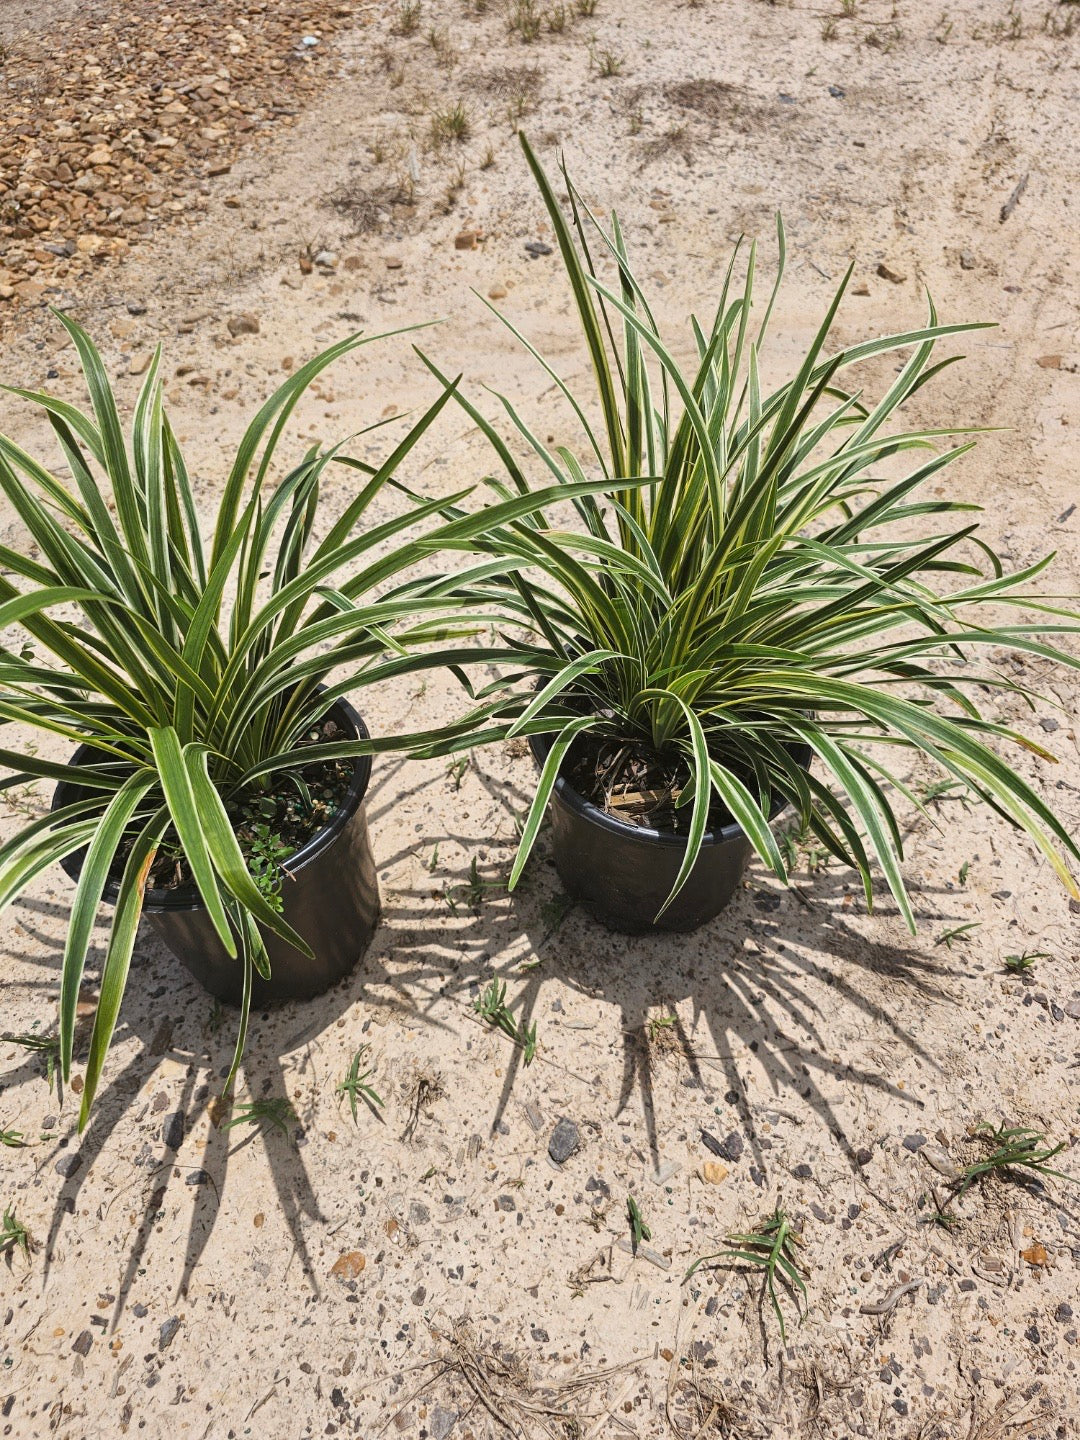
{"x":750,"y":585}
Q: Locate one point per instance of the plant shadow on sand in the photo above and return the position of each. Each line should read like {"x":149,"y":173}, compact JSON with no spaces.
{"x":749,"y":976}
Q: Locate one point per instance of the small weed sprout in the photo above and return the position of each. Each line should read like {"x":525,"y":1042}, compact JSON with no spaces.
{"x":457,"y":770}
{"x":771,"y":1249}
{"x":13,"y":1235}
{"x":639,"y":1231}
{"x":47,"y":1046}
{"x":957,"y":932}
{"x":356,"y":1084}
{"x":473,"y":890}
{"x":1011,"y":1149}
{"x":275,"y":1113}
{"x":492,"y":1007}
{"x":488,"y":159}
{"x":557,"y":19}
{"x":608,"y":64}
{"x":12,"y":1138}
{"x":1018,"y":964}
{"x":586,"y":7}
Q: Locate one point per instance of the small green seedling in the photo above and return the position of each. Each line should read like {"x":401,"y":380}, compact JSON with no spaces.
{"x":771,"y":1249}
{"x":1016,"y":1147}
{"x":639,"y":1231}
{"x":14,"y":1138}
{"x":1017,"y":964}
{"x":492,"y":1007}
{"x":457,"y":769}
{"x":658,"y":1024}
{"x":958,"y":932}
{"x":472,"y":890}
{"x":355,"y":1084}
{"x":47,"y":1046}
{"x":13,"y":1235}
{"x":275,"y":1112}
{"x":963,"y":873}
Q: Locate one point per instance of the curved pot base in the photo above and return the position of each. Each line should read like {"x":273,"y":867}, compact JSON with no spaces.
{"x":622,"y":880}
{"x":333,"y":904}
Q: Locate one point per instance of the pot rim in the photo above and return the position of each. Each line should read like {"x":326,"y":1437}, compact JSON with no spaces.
{"x":187,"y":897}
{"x":573,"y":799}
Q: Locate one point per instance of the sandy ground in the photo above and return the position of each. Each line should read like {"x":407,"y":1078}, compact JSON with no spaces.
{"x":431,"y":1271}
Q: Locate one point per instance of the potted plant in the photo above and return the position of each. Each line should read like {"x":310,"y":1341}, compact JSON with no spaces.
{"x":751,"y":616}
{"x":219,"y":777}
{"x":218,"y":784}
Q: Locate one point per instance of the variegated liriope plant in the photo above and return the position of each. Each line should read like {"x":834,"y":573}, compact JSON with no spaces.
{"x":191,"y":663}
{"x":749,"y":586}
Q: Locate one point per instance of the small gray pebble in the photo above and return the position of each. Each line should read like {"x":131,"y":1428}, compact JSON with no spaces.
{"x":68,"y":1165}
{"x":506,"y":1204}
{"x":83,"y":1343}
{"x":914,"y":1142}
{"x":419,"y":1295}
{"x":198,"y":1177}
{"x":1049,"y":724}
{"x":441,"y":1422}
{"x":167,"y":1331}
{"x":419,"y":1214}
{"x":803,"y":1172}
{"x":565,"y":1140}
{"x":1063,"y":1312}
{"x":172,"y":1130}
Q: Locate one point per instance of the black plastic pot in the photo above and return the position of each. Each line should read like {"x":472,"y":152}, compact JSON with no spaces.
{"x":331,"y":899}
{"x":623,"y":873}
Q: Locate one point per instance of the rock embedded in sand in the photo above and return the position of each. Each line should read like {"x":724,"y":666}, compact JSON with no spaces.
{"x":713,"y":1173}
{"x":349,"y":1266}
{"x":243,"y":324}
{"x":888,"y":273}
{"x":565,"y":1140}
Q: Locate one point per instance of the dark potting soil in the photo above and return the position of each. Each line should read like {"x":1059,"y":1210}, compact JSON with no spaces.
{"x":630,"y":781}
{"x":272,"y":824}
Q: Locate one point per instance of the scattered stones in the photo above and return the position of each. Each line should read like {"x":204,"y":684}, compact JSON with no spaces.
{"x":565,"y":1140}
{"x":68,"y":1165}
{"x":172,"y":1130}
{"x":506,"y":1204}
{"x":349,"y":1265}
{"x":1063,"y":1312}
{"x":897,"y":277}
{"x":128,"y":142}
{"x":243,"y":324}
{"x":713,"y":1173}
{"x":730,"y":1149}
{"x":419,"y":1295}
{"x":168,"y":1331}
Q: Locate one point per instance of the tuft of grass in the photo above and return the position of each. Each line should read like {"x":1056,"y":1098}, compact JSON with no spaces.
{"x":473,"y":890}
{"x":586,"y":7}
{"x":13,"y":1235}
{"x":457,"y":770}
{"x":525,"y":20}
{"x":1017,"y":964}
{"x":1013,"y":1148}
{"x":408,"y":18}
{"x":355,"y":1085}
{"x":608,"y":64}
{"x":492,"y":1007}
{"x":771,"y":1250}
{"x":488,"y":159}
{"x":275,"y":1113}
{"x":451,"y":125}
{"x":557,"y":19}
{"x":639,"y":1231}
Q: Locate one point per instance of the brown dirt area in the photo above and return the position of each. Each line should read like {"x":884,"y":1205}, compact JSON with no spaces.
{"x":430,"y":1271}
